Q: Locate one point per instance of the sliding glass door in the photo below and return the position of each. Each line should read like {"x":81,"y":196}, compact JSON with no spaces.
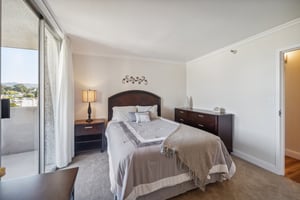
{"x":29,"y":63}
{"x":20,"y":85}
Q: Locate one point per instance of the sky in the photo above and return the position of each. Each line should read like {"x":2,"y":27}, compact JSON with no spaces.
{"x":19,"y":65}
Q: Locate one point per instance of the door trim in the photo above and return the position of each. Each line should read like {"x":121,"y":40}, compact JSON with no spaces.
{"x":280,"y":102}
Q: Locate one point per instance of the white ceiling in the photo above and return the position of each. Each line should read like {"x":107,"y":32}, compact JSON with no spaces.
{"x":177,"y":30}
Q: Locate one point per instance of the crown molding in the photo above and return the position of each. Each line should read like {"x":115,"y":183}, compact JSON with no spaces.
{"x":130,"y":58}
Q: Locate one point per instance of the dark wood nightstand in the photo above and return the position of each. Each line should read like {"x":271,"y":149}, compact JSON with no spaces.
{"x":89,"y":135}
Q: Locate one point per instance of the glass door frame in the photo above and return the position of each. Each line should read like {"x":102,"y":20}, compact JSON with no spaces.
{"x":40,"y":107}
{"x":40,"y":68}
{"x":41,"y":72}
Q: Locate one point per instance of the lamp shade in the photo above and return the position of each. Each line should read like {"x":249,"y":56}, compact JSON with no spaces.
{"x":88,"y":95}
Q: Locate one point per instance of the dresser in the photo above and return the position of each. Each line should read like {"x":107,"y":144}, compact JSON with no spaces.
{"x":216,"y":123}
{"x":89,"y":135}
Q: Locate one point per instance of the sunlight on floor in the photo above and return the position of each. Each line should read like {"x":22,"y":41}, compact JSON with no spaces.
{"x":20,"y":164}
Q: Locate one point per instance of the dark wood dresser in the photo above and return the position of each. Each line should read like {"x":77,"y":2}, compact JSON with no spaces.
{"x":89,"y":135}
{"x":218,"y":124}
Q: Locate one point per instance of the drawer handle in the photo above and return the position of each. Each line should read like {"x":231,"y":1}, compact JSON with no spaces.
{"x":200,"y":115}
{"x":88,"y":127}
{"x":201,"y":125}
{"x":182,"y":120}
{"x":181,"y":112}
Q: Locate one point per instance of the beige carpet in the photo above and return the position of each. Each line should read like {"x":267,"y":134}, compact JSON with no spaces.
{"x":249,"y":182}
{"x":92,"y":182}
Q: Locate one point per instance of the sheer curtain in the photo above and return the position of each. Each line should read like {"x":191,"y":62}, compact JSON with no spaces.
{"x":52,"y":49}
{"x":64,"y":107}
{"x":59,"y":103}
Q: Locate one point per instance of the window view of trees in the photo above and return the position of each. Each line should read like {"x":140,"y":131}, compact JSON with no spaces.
{"x":19,"y":76}
{"x":20,"y":95}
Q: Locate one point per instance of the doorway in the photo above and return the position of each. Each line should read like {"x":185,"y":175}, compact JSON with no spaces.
{"x":291,"y":81}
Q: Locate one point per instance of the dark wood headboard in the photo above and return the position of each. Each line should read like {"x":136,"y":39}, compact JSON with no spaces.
{"x":133,"y":98}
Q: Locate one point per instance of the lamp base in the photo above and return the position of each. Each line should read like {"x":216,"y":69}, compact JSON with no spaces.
{"x":89,"y":120}
{"x":89,"y":113}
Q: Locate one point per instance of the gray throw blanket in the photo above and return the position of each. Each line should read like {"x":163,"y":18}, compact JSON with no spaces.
{"x":197,"y":151}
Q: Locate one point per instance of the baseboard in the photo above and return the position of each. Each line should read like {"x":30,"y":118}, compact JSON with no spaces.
{"x":258,"y":162}
{"x":293,"y":154}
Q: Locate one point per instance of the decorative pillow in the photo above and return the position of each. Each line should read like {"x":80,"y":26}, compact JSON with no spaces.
{"x":132,"y":116}
{"x":151,"y":109}
{"x":121,"y":113}
{"x":142,"y":117}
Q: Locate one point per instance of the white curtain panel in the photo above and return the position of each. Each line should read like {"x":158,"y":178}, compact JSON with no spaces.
{"x":52,"y":62}
{"x":64,"y":106}
{"x":52,"y":49}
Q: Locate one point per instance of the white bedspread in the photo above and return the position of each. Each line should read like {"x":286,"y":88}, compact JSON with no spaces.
{"x":136,"y":169}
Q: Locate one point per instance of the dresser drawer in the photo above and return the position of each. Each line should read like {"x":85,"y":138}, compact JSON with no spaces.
{"x":203,"y":120}
{"x":87,"y":129}
{"x":181,"y":113}
{"x":181,"y":116}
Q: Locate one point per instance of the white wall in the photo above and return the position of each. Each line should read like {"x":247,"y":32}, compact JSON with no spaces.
{"x":105,"y":74}
{"x":292,"y":104}
{"x":246,"y":84}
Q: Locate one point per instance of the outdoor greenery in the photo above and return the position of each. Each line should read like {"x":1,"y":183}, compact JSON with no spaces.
{"x":18,"y":92}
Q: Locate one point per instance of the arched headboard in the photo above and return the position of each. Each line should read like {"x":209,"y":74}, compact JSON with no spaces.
{"x":133,"y":98}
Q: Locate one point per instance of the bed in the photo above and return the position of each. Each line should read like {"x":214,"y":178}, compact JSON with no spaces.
{"x":139,"y":168}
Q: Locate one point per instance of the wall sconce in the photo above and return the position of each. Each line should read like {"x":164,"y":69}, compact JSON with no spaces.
{"x":132,"y":79}
{"x":89,"y":96}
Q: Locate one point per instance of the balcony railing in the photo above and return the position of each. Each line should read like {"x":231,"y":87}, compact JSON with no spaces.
{"x":19,"y":133}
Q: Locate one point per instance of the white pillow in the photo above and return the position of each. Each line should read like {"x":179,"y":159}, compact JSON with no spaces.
{"x":142,"y":117}
{"x":121,"y":113}
{"x":151,"y":109}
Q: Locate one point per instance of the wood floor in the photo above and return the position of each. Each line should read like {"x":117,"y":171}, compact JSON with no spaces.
{"x":292,"y":169}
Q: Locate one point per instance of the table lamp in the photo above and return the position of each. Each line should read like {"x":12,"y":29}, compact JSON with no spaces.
{"x":89,"y":96}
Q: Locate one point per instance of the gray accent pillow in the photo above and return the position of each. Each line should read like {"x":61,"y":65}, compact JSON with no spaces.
{"x":132,"y":116}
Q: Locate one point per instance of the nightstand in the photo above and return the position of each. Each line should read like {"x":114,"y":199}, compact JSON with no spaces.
{"x":89,"y":135}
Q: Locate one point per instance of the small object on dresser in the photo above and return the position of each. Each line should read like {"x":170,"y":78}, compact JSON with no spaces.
{"x":189,"y":102}
{"x":219,"y":110}
{"x":89,"y":135}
